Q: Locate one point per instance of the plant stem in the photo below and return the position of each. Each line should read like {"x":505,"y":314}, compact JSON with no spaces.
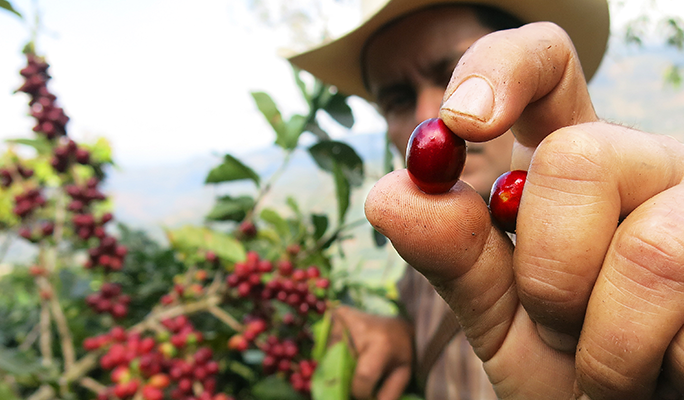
{"x":45,"y":334}
{"x":271,"y":181}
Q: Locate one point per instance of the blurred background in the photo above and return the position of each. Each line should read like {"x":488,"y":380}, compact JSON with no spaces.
{"x":168,"y":84}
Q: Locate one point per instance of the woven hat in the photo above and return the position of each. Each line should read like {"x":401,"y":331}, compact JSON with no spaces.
{"x":338,"y":62}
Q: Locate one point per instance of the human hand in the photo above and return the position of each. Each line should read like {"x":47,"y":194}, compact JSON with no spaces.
{"x":384,"y":348}
{"x":591,"y":299}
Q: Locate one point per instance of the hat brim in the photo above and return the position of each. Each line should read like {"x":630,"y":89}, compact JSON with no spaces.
{"x":337,"y":63}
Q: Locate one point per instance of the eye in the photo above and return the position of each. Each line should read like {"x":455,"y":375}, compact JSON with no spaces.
{"x":397,"y":100}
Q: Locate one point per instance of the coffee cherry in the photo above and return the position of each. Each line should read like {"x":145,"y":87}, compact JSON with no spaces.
{"x":504,"y":199}
{"x":435,"y":156}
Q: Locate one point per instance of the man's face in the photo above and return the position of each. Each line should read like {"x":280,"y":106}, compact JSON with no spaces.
{"x":408,"y":66}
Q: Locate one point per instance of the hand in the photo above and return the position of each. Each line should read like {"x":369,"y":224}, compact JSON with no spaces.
{"x":384,"y":348}
{"x":591,"y":299}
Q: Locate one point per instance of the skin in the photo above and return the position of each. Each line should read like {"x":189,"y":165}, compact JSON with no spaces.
{"x":590,"y":302}
{"x":409,"y":81}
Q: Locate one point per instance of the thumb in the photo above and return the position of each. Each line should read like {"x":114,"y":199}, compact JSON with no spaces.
{"x":449,"y":238}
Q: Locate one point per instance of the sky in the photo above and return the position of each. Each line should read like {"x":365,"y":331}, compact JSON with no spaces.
{"x":163,"y":80}
{"x":169,"y":80}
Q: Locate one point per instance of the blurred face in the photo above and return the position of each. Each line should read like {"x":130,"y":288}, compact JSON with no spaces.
{"x":408,"y":66}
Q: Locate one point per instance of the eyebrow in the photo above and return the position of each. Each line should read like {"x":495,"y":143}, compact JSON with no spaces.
{"x":434,"y":71}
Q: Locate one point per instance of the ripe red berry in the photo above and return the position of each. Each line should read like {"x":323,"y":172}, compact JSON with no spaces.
{"x":435,"y":156}
{"x":505,"y":198}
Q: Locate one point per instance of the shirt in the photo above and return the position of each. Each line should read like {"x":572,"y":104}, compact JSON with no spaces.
{"x":458,"y":373}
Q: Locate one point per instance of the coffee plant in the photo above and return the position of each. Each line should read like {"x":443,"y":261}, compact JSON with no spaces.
{"x":238,"y":308}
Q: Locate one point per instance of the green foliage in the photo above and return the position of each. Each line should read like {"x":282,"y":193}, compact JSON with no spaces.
{"x":191,"y":239}
{"x":231,"y":169}
{"x":332,"y":379}
{"x":228,"y":208}
{"x":5,"y":5}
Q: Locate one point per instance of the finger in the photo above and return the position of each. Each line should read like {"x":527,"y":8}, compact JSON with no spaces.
{"x":673,"y":365}
{"x":637,"y":306}
{"x":449,"y":238}
{"x":530,"y":77}
{"x":582,"y":179}
{"x":371,"y":365}
{"x":395,"y":383}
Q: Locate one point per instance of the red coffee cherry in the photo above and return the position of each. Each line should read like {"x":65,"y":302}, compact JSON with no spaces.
{"x":435,"y":156}
{"x":504,"y":198}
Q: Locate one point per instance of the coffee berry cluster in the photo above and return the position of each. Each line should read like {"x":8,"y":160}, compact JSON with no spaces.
{"x":50,"y":119}
{"x":173,"y":365}
{"x":109,"y":300}
{"x":280,"y":336}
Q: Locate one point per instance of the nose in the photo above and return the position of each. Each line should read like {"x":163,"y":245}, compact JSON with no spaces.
{"x":428,"y":100}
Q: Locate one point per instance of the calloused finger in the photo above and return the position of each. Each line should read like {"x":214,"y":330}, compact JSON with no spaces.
{"x":581,"y":182}
{"x":636,"y":309}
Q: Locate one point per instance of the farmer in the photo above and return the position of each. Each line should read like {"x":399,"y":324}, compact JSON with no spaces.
{"x":590,"y":299}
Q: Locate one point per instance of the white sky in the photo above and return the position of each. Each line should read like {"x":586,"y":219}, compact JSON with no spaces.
{"x":167,"y":80}
{"x":164,"y":80}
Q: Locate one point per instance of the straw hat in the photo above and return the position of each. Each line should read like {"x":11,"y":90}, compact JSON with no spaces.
{"x":338,"y":62}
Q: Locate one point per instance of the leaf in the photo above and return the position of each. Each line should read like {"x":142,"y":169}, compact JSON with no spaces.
{"x":328,"y":153}
{"x":231,"y":169}
{"x":4,"y":4}
{"x":333,"y":376}
{"x":321,"y":333}
{"x":343,"y":192}
{"x":379,"y":239}
{"x":270,"y":111}
{"x":314,"y":128}
{"x":41,"y":145}
{"x":192,"y":238}
{"x":101,"y":152}
{"x":388,"y":158}
{"x":15,"y":363}
{"x":278,"y":222}
{"x":274,"y":388}
{"x":230,"y":208}
{"x":320,"y":223}
{"x":410,"y":397}
{"x":339,"y":110}
{"x":6,"y":392}
{"x":293,"y":130}
{"x":301,"y":85}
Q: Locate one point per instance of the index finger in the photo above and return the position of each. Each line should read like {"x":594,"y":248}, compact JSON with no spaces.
{"x":529,"y":79}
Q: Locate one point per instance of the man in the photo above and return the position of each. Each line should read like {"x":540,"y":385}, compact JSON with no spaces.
{"x":525,"y":325}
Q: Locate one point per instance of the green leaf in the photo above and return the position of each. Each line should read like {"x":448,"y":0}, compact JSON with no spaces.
{"x":410,"y":397}
{"x":321,"y":333}
{"x":301,"y":85}
{"x":293,"y":130}
{"x":343,"y":192}
{"x":6,"y":392}
{"x":192,"y":238}
{"x":333,"y":376}
{"x":314,"y":128}
{"x":329,"y":153}
{"x":278,"y":222}
{"x":230,"y":208}
{"x":320,"y":223}
{"x":379,"y":239}
{"x":4,"y":4}
{"x":339,"y":110}
{"x":274,"y":388}
{"x":231,"y":169}
{"x":15,"y":363}
{"x":101,"y":152}
{"x":270,"y":111}
{"x":388,"y":159}
{"x":41,"y":144}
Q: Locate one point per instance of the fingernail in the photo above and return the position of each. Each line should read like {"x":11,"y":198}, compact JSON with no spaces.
{"x":474,"y":98}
